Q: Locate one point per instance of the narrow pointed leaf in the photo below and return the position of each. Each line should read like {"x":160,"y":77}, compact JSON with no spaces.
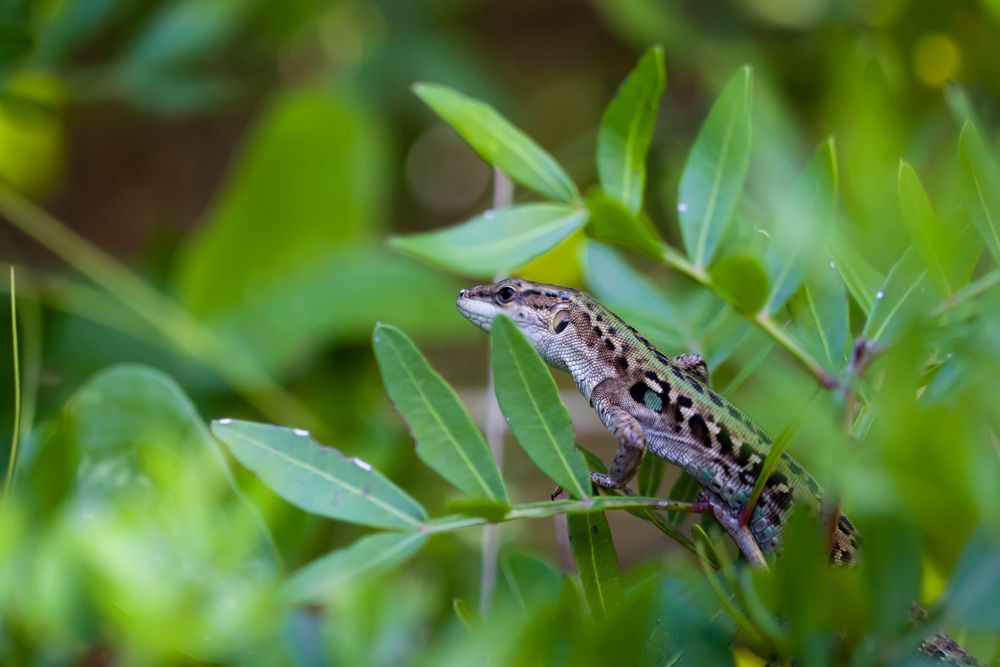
{"x":861,"y":278}
{"x":447,"y":439}
{"x":905,"y":288}
{"x":802,"y":227}
{"x":596,"y":561}
{"x":498,"y":142}
{"x":934,"y":240}
{"x":497,"y":241}
{"x":530,"y":400}
{"x":365,"y":558}
{"x":821,"y":315}
{"x":627,"y":128}
{"x":983,"y":177}
{"x":319,"y":479}
{"x":715,"y":170}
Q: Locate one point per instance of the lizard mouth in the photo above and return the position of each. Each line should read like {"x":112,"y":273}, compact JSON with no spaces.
{"x":477,"y":311}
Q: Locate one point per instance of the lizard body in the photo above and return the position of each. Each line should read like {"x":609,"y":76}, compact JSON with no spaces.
{"x":649,"y":401}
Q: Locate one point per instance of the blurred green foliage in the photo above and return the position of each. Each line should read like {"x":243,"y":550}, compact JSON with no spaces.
{"x":223,"y":176}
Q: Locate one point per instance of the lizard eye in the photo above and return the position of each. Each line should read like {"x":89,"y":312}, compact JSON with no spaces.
{"x":560,"y":321}
{"x":505,"y":295}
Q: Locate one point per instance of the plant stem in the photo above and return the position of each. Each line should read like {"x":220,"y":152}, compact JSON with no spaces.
{"x":503,"y":197}
{"x":548,"y":508}
{"x":16,"y":436}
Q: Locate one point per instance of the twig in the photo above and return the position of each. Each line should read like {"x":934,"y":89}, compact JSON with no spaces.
{"x":16,"y":436}
{"x":503,"y":197}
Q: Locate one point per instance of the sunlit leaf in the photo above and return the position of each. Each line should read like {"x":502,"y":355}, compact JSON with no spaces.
{"x":596,"y":562}
{"x":610,"y":221}
{"x":983,"y":176}
{"x":447,"y":440}
{"x":899,"y":298}
{"x":935,"y":241}
{"x":802,"y":227}
{"x":715,"y":170}
{"x":626,"y":130}
{"x":365,"y":558}
{"x":530,"y":400}
{"x":316,"y":478}
{"x":498,"y":142}
{"x":496,"y":241}
{"x":742,"y":280}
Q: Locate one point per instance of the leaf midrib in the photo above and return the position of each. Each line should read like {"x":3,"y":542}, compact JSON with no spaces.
{"x":713,"y":195}
{"x":437,"y":418}
{"x":374,"y":500}
{"x":534,"y":404}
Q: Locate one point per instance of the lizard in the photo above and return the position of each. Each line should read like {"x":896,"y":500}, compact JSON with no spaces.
{"x":652,"y":402}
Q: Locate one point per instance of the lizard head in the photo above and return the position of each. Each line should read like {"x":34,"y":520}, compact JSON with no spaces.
{"x":540,"y":311}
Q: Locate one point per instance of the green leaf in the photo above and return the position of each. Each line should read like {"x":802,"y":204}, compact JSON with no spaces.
{"x":498,"y":142}
{"x":983,"y":177}
{"x":292,"y":318}
{"x":899,"y":298}
{"x":627,"y":129}
{"x":802,"y":227}
{"x":975,"y":586}
{"x":861,"y":278}
{"x":610,"y":221}
{"x":742,"y":280}
{"x":596,"y":561}
{"x":497,"y":241}
{"x":319,"y":479}
{"x":537,"y":417}
{"x":309,"y":178}
{"x":365,"y":558}
{"x":715,"y":170}
{"x":936,"y":242}
{"x":650,"y":475}
{"x":618,"y":285}
{"x":446,"y":438}
{"x":822,"y":315}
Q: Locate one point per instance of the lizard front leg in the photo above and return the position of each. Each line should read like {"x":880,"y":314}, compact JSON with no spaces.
{"x":626,"y":429}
